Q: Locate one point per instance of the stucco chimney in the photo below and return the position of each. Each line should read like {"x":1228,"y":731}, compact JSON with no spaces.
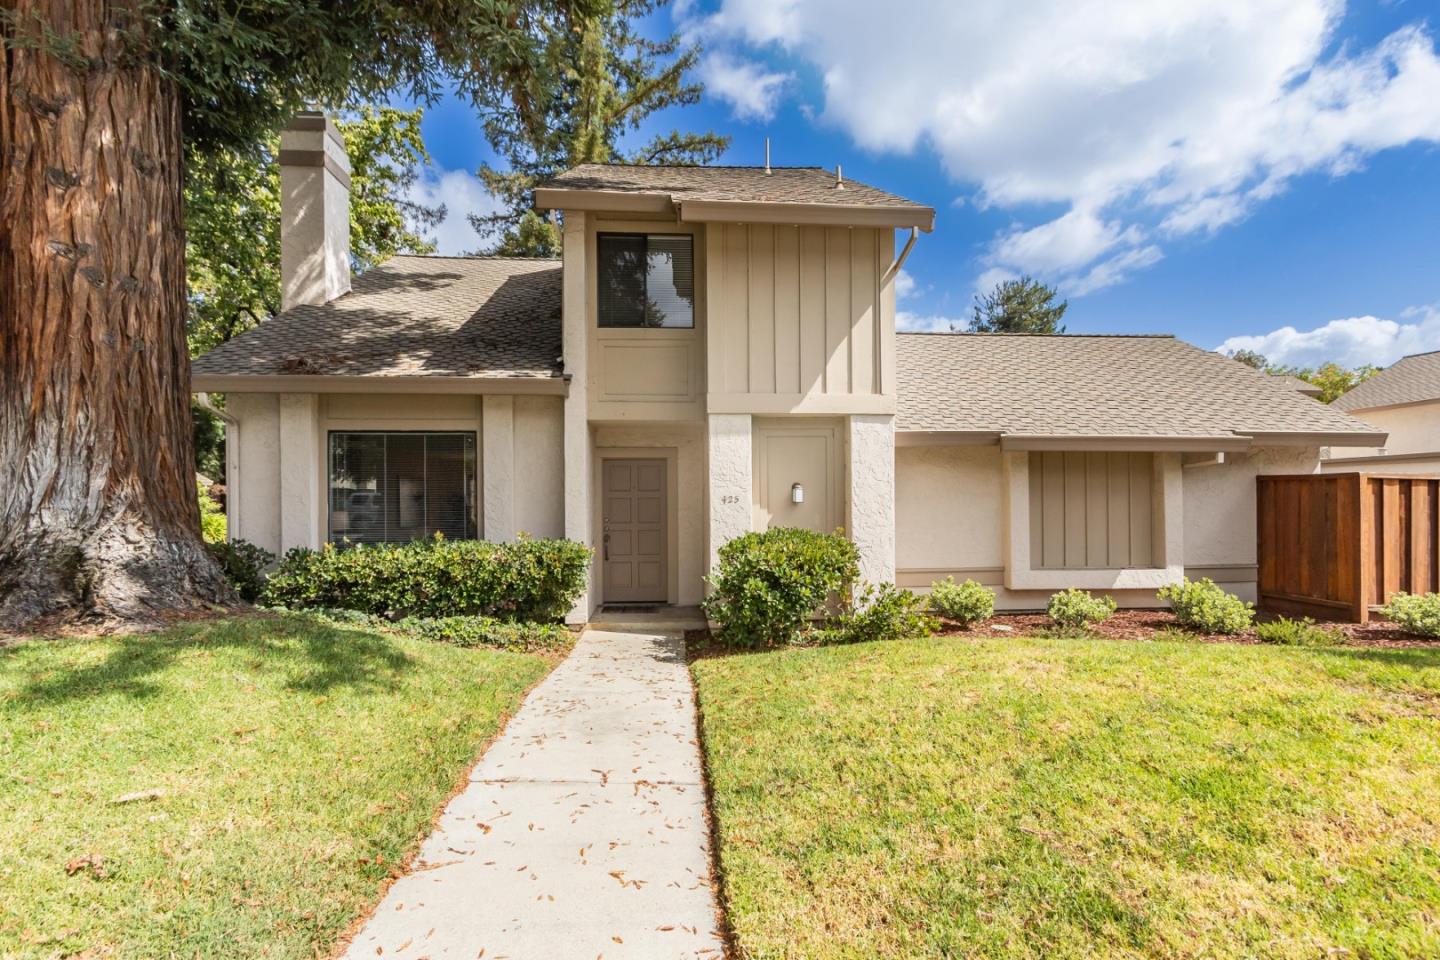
{"x":314,"y":211}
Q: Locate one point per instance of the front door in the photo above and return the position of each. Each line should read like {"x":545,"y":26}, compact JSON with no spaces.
{"x":633,"y":540}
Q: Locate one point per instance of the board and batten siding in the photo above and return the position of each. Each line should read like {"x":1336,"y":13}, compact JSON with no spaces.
{"x":801,"y":319}
{"x":1091,"y":510}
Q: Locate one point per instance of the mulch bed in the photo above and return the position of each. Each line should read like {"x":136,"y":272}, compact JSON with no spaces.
{"x":1144,"y":624}
{"x":1123,"y":625}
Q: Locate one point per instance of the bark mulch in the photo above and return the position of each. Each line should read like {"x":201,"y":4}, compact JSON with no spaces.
{"x":1145,"y":624}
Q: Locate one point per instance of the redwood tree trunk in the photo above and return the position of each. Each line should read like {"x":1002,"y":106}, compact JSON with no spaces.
{"x":98,"y":515}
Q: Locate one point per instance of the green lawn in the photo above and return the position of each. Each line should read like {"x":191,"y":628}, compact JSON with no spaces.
{"x":1072,"y":798}
{"x":296,"y":765}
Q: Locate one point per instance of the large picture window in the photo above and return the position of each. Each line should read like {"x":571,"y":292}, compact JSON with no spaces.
{"x":398,"y":487}
{"x":646,"y":280}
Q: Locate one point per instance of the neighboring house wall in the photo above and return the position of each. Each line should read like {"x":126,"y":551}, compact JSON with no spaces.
{"x":801,"y":319}
{"x":278,"y":470}
{"x":1414,"y":428}
{"x":951,"y":521}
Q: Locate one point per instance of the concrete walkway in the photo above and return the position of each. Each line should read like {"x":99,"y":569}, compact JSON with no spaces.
{"x":582,"y":831}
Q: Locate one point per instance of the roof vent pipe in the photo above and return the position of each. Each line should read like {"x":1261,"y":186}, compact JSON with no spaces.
{"x":767,"y":156}
{"x":839,"y":178}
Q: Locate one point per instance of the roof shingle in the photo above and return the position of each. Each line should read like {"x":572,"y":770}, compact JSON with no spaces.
{"x":1097,"y":386}
{"x":414,"y":316}
{"x":800,"y":185}
{"x":1412,"y":379}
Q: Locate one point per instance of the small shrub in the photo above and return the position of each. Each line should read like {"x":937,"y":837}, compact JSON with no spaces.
{"x":1417,"y":613}
{"x":880,"y":611}
{"x":1201,"y":605}
{"x":1077,"y":610}
{"x":1298,"y":633}
{"x":535,"y":580}
{"x":767,"y":586}
{"x":212,"y":518}
{"x":244,"y":565}
{"x":965,"y":603}
{"x":489,"y":632}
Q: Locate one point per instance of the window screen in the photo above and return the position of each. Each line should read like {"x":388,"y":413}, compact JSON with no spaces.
{"x":646,"y":280}
{"x":397,"y":487}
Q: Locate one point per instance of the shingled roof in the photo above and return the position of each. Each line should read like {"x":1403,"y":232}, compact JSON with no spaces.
{"x":1412,"y":379}
{"x":1096,"y":386}
{"x":710,"y":193}
{"x":412,"y":317}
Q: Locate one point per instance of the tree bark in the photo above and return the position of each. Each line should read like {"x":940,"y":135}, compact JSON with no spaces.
{"x":98,"y":515}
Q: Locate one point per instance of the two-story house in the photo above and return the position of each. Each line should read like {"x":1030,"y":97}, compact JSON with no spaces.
{"x":715,"y":353}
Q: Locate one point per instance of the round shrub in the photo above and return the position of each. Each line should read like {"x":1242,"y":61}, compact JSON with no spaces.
{"x":965,"y":603}
{"x":1075,"y":609}
{"x":767,"y":586}
{"x":1417,"y":613}
{"x":536,"y":580}
{"x":244,"y":565}
{"x":1201,"y":605}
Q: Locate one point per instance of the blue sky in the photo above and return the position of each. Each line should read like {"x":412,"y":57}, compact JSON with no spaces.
{"x":1260,"y":173}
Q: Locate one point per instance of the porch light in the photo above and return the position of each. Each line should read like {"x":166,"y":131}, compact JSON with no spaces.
{"x":797,"y":493}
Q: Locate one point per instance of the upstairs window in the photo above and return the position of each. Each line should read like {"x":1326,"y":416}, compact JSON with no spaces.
{"x":646,"y":280}
{"x":398,"y":487}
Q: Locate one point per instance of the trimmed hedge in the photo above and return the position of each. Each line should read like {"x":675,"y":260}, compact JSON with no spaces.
{"x":536,"y":580}
{"x":768,"y":586}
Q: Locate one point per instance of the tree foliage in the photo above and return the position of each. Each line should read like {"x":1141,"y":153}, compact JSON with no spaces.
{"x":606,"y":79}
{"x":1332,"y":379}
{"x":1023,"y":305}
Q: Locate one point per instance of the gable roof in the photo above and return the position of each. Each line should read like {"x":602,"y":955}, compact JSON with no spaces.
{"x":474,"y":317}
{"x":1018,"y":385}
{"x":1412,"y":379}
{"x":718,"y":193}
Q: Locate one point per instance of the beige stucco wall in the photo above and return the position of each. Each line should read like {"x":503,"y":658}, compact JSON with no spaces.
{"x":950,"y":518}
{"x":684,"y":447}
{"x":800,"y":319}
{"x":278,"y":458}
{"x":1413,"y":429}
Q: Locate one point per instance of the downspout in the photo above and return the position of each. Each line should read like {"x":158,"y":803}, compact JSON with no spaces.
{"x":232,"y":462}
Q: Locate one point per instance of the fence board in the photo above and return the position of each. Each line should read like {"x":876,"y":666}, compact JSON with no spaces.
{"x":1338,"y":545}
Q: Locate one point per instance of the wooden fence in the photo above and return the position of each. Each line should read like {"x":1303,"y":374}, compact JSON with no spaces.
{"x":1337,"y":545}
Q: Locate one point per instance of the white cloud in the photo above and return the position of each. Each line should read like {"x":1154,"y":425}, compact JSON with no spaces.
{"x":1351,"y":342}
{"x":907,"y":322}
{"x":752,"y":91}
{"x":462,"y":193}
{"x":904,"y":284}
{"x":1184,"y":114}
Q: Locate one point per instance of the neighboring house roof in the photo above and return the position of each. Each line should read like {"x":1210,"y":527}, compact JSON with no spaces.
{"x":1018,"y":385}
{"x":487,"y":317}
{"x":718,"y":193}
{"x":1303,"y":386}
{"x":1412,"y":379}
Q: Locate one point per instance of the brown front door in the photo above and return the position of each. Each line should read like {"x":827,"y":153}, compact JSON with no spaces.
{"x":633,"y":541}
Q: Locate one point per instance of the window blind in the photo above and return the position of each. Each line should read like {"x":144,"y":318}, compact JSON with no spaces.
{"x":646,"y":280}
{"x":398,"y":487}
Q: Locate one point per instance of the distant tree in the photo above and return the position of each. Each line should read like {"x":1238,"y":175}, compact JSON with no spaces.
{"x":1333,"y":380}
{"x":1024,"y":305}
{"x":606,"y":80}
{"x":1251,"y":358}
